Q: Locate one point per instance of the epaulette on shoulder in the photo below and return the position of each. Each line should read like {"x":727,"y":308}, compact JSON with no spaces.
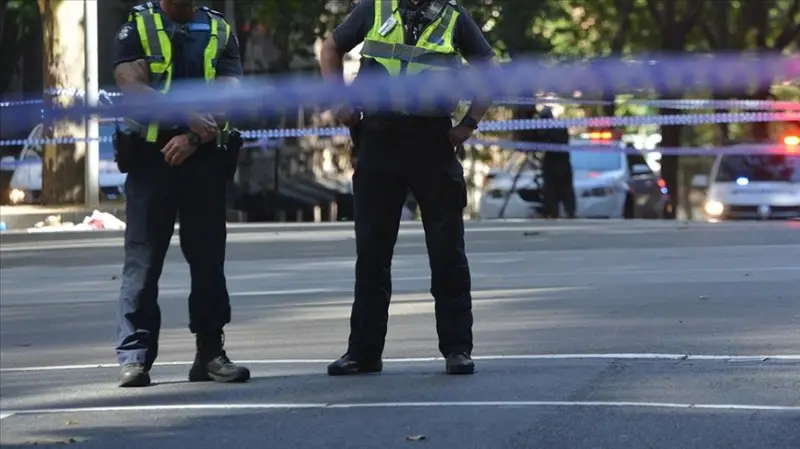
{"x":208,"y":10}
{"x":143,"y":7}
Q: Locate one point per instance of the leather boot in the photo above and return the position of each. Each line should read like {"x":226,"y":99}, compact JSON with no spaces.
{"x":211,"y":363}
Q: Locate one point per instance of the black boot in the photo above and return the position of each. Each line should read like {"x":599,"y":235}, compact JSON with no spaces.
{"x":134,"y":375}
{"x":348,"y":365}
{"x":459,"y":363}
{"x":212,"y":364}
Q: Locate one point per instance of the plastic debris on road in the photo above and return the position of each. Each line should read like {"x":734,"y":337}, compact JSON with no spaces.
{"x":98,"y":221}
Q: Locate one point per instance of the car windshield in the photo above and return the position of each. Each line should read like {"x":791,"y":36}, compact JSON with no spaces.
{"x":774,"y":168}
{"x":595,"y":161}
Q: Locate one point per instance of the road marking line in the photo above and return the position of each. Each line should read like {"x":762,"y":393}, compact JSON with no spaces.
{"x":301,"y":291}
{"x":373,"y":405}
{"x":5,"y":415}
{"x":619,"y":356}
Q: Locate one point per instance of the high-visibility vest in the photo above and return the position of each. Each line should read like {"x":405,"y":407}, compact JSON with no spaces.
{"x":434,"y":50}
{"x":158,"y":50}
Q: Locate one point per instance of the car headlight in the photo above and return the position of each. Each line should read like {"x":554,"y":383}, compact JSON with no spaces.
{"x":16,"y":196}
{"x":714,"y":208}
{"x":599,"y":191}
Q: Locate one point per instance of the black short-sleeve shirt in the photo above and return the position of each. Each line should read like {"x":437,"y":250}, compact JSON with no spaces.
{"x":467,"y":36}
{"x":418,"y":144}
{"x":188,"y":45}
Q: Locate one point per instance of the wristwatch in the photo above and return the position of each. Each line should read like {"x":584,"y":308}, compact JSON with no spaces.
{"x":469,"y":122}
{"x":194,"y":138}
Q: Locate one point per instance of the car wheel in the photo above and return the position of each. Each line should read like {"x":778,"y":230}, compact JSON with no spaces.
{"x":627,"y":210}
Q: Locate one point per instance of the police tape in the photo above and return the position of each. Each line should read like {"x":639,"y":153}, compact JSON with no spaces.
{"x":666,"y":75}
{"x":674,"y":104}
{"x":680,"y":104}
{"x":589,"y":122}
{"x":742,"y":149}
{"x":500,"y":126}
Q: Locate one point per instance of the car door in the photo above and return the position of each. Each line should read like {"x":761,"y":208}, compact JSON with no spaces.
{"x":644,"y":186}
{"x":28,"y":174}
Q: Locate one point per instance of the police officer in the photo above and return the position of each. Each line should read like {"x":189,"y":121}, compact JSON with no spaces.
{"x":175,"y":169}
{"x":408,"y":149}
{"x":557,"y":177}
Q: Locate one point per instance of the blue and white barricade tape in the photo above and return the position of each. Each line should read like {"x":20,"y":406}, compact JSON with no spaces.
{"x":743,"y":149}
{"x":681,"y":104}
{"x":674,"y":104}
{"x":526,"y":78}
{"x":534,"y":124}
{"x":507,"y":125}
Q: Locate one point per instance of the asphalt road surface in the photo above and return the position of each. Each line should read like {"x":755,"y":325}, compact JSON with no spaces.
{"x":588,"y":335}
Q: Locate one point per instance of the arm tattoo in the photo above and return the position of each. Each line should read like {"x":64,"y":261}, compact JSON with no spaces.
{"x":133,"y":77}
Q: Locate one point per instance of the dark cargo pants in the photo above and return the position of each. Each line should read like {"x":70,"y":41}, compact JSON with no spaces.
{"x":379,"y":198}
{"x":156,"y":194}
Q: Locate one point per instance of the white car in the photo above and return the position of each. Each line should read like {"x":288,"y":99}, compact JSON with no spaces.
{"x":25,"y":186}
{"x":607,"y":185}
{"x":748,"y":187}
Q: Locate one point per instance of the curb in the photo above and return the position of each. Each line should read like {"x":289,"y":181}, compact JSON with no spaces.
{"x":20,"y":236}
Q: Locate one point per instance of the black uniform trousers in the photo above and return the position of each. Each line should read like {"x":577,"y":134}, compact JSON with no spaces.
{"x":157,"y":194}
{"x":381,"y":182}
{"x":558,"y":189}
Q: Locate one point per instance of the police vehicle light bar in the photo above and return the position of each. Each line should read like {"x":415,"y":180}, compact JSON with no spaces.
{"x":598,"y":135}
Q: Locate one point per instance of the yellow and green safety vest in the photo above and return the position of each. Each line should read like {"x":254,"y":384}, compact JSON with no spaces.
{"x":434,"y":50}
{"x":158,"y":50}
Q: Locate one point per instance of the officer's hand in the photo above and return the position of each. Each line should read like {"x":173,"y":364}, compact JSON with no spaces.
{"x":347,"y":115}
{"x":459,"y":134}
{"x":177,"y":150}
{"x":204,"y":125}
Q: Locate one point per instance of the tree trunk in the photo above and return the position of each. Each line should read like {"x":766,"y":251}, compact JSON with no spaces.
{"x":64,"y":69}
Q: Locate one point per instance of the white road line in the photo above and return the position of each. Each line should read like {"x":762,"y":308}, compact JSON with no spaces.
{"x":619,"y":356}
{"x":390,"y":405}
{"x":5,"y":415}
{"x":300,"y":291}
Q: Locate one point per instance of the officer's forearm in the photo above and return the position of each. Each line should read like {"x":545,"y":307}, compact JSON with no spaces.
{"x":331,"y":62}
{"x":228,"y":83}
{"x":478,"y":108}
{"x":482,"y":100}
{"x":133,"y":78}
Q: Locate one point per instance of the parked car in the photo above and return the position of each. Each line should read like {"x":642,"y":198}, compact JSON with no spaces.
{"x":25,"y":186}
{"x":607,"y":185}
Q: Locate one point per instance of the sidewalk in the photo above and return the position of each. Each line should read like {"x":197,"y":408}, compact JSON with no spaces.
{"x":20,"y":218}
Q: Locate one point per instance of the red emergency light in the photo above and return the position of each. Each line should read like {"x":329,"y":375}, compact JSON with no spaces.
{"x":601,"y":135}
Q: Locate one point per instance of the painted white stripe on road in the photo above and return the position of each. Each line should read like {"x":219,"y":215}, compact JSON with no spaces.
{"x":390,"y":405}
{"x":531,"y":357}
{"x":300,"y":291}
{"x":5,"y":415}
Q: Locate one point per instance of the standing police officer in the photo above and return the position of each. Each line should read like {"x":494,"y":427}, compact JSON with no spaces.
{"x":557,"y":176}
{"x":175,"y":169}
{"x":413,"y":149}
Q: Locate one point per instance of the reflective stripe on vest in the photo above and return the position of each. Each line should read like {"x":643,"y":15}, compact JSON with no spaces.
{"x":434,"y":50}
{"x":158,"y":50}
